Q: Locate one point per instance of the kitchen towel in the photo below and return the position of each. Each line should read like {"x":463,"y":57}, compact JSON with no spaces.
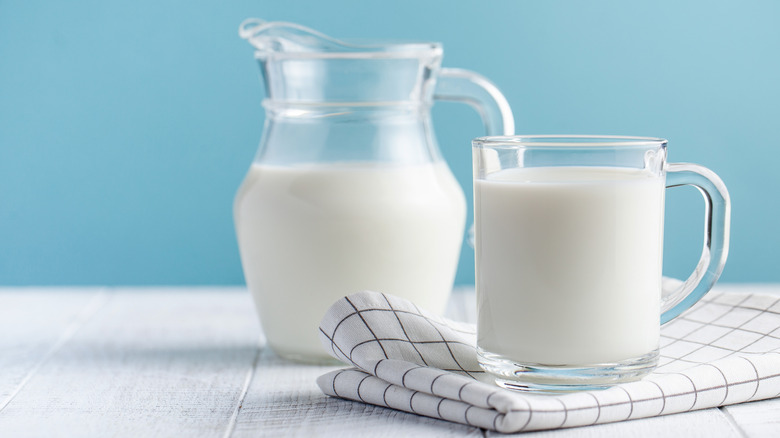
{"x":722,"y":351}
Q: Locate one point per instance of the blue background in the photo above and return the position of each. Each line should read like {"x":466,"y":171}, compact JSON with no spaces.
{"x":126,"y":127}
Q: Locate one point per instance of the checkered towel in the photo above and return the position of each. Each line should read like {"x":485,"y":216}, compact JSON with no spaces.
{"x":725,"y":350}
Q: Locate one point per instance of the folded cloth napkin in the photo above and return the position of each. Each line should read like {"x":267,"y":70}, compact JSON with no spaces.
{"x":725,"y":350}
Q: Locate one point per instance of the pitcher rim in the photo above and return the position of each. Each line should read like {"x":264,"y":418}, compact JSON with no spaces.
{"x":251,"y":28}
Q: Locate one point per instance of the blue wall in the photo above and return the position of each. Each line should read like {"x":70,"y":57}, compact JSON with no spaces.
{"x":125,"y":128}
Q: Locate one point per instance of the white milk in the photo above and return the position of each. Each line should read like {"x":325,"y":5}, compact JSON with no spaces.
{"x":569,"y":264}
{"x":311,"y":234}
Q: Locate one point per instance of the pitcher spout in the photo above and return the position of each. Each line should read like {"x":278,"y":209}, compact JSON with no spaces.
{"x":302,"y":65}
{"x":269,"y":37}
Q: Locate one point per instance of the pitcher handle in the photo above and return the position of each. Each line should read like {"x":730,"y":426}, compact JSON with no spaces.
{"x":458,"y":85}
{"x":717,"y":219}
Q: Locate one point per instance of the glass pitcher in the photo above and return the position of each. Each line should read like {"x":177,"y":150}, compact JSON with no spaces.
{"x":348,"y":190}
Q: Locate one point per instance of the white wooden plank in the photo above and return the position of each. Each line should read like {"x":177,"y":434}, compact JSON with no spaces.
{"x":283,"y":400}
{"x":757,"y":419}
{"x":149,"y":363}
{"x":34,"y":324}
{"x":710,"y":423}
{"x":177,"y":362}
{"x":749,"y":288}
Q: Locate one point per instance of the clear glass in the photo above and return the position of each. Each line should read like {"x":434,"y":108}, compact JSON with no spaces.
{"x":348,"y":190}
{"x":569,"y":244}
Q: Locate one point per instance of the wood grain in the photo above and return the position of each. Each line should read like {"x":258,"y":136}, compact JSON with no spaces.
{"x":150,"y":363}
{"x":188,"y":362}
{"x":756,"y":419}
{"x":283,"y":400}
{"x":36,"y":323}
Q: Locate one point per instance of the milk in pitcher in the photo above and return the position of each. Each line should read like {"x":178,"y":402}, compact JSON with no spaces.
{"x":310,"y":234}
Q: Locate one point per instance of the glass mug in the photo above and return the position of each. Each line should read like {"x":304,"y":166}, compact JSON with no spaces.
{"x":569,"y":243}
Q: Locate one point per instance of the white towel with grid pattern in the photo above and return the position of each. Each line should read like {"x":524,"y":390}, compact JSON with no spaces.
{"x":724,"y":350}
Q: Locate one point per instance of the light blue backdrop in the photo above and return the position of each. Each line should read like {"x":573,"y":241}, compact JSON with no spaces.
{"x":126,"y":127}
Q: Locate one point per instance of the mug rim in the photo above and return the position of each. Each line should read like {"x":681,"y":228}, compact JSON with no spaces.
{"x":579,"y":141}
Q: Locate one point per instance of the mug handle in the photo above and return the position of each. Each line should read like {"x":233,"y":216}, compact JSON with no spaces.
{"x":458,"y":85}
{"x":717,"y":221}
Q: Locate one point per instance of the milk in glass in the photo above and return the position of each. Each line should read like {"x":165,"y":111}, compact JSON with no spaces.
{"x":569,"y":264}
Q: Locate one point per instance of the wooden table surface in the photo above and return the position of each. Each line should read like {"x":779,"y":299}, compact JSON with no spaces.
{"x":148,"y":362}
